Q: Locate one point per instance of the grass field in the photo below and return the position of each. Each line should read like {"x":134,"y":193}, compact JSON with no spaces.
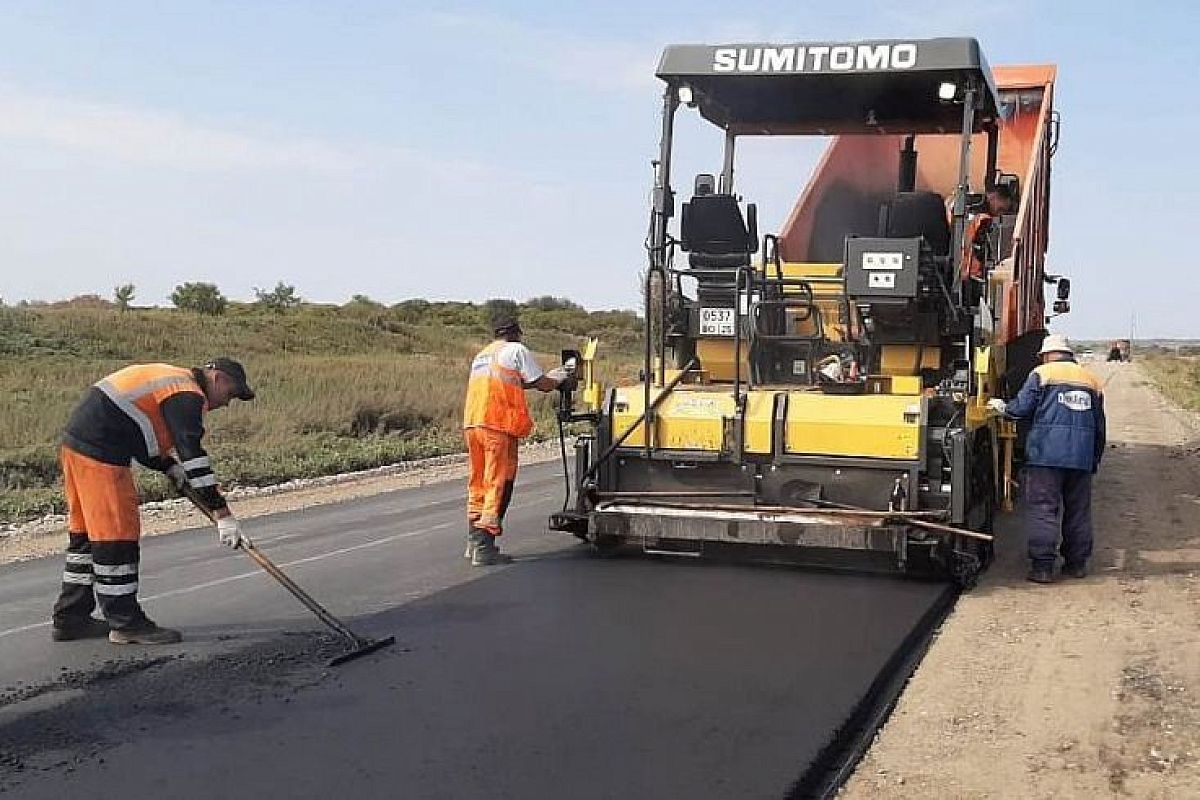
{"x":338,"y":388}
{"x":1177,"y":376}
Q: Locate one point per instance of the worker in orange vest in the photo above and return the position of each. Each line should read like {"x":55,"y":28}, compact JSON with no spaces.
{"x":495,"y":419}
{"x":998,"y":200}
{"x":152,"y":414}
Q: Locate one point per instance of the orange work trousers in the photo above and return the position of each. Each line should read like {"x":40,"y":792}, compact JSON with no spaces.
{"x":102,"y":499}
{"x":103,"y":553}
{"x":493,"y":460}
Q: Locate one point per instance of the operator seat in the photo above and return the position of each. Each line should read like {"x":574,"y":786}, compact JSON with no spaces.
{"x":713,"y":231}
{"x":912,"y":214}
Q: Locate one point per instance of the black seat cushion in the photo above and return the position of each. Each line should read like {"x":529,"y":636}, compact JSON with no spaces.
{"x":713,"y":225}
{"x":912,"y":214}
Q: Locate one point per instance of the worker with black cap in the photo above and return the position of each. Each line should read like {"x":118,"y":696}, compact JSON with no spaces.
{"x":152,"y":414}
{"x":495,"y":419}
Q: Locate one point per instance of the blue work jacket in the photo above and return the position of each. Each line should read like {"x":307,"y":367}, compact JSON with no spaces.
{"x":1066,"y":405}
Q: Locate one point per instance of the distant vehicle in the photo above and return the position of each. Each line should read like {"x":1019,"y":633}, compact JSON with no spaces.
{"x":1118,"y":350}
{"x":1087,"y":355}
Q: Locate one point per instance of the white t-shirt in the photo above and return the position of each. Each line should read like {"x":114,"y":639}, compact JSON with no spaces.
{"x":516,"y":356}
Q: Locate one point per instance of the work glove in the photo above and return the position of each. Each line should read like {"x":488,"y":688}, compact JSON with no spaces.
{"x":560,"y":375}
{"x":178,"y":476}
{"x":831,"y":369}
{"x":230,"y":533}
{"x":996,"y":405}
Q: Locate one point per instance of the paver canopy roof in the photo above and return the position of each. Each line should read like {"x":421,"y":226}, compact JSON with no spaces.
{"x":881,"y":86}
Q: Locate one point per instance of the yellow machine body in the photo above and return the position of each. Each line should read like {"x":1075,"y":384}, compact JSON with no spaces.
{"x":864,"y":426}
{"x":702,"y":418}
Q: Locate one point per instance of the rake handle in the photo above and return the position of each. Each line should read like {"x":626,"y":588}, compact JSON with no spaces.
{"x":275,"y":572}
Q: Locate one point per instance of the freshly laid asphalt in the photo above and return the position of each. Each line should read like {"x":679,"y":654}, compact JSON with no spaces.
{"x":561,"y":675}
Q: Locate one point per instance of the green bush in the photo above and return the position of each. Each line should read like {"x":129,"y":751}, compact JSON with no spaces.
{"x":279,"y":299}
{"x":202,"y":298}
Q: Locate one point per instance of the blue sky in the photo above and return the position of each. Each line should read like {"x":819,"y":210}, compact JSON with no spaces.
{"x":467,"y":151}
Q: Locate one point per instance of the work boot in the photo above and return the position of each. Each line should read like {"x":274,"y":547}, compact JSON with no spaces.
{"x":475,"y":538}
{"x":1075,"y":570}
{"x":86,"y":628}
{"x":1040,"y":575}
{"x":487,"y":554}
{"x":146,"y":633}
{"x":489,"y":558}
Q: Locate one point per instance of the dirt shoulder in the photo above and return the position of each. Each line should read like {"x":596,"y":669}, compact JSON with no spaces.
{"x":47,"y":535}
{"x":1085,"y":688}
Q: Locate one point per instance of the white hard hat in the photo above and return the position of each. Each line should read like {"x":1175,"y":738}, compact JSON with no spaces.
{"x":1056,"y":343}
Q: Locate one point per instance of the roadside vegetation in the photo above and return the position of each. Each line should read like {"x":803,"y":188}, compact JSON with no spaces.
{"x":339,"y":387}
{"x":1175,"y":372}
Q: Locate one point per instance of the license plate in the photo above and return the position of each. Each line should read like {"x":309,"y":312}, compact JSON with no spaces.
{"x":716,"y":322}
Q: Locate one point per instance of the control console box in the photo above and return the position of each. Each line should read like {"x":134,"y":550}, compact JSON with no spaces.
{"x":882,"y":269}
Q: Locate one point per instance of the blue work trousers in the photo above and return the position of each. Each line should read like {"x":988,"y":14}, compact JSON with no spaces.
{"x":1052,"y":494}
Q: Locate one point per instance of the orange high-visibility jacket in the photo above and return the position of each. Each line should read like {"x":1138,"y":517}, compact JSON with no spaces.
{"x":143,"y":413}
{"x":140,"y":391}
{"x":973,"y":250}
{"x":496,"y":396}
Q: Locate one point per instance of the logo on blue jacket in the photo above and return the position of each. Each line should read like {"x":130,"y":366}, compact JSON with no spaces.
{"x":1076,"y":400}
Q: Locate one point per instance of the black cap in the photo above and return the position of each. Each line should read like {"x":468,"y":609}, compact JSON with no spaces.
{"x":236,"y":371}
{"x":506,"y":325}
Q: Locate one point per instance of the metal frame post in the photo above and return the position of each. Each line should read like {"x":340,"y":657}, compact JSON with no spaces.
{"x":663,"y":204}
{"x":993,"y":145}
{"x":906,"y":181}
{"x":964,"y":185}
{"x":727,"y":168}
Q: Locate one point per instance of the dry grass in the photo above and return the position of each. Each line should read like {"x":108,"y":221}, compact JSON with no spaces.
{"x":338,"y":389}
{"x":1178,"y":377}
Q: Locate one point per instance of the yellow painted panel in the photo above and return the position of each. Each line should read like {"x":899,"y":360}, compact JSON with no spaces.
{"x":906,"y":384}
{"x":716,"y":357}
{"x":694,"y":419}
{"x":868,"y":426}
{"x":810,"y":270}
{"x":690,"y":419}
{"x":627,"y":406}
{"x":901,"y":359}
{"x":760,"y":415}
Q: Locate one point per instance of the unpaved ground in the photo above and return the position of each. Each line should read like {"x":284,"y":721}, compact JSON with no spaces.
{"x":1081,"y":689}
{"x":47,"y":536}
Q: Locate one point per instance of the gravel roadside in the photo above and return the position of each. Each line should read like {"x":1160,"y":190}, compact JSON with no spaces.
{"x":1085,"y":688}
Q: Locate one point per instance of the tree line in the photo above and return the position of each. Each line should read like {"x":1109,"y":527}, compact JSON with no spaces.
{"x":206,"y":298}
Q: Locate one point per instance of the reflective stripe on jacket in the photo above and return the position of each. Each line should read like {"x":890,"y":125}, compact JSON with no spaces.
{"x":1066,"y":405}
{"x":496,"y":396}
{"x":147,"y":413}
{"x":140,"y":390}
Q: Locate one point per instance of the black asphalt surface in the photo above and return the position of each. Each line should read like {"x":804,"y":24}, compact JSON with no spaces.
{"x":561,"y":675}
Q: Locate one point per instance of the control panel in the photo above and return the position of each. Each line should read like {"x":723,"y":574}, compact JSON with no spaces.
{"x":882,"y":269}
